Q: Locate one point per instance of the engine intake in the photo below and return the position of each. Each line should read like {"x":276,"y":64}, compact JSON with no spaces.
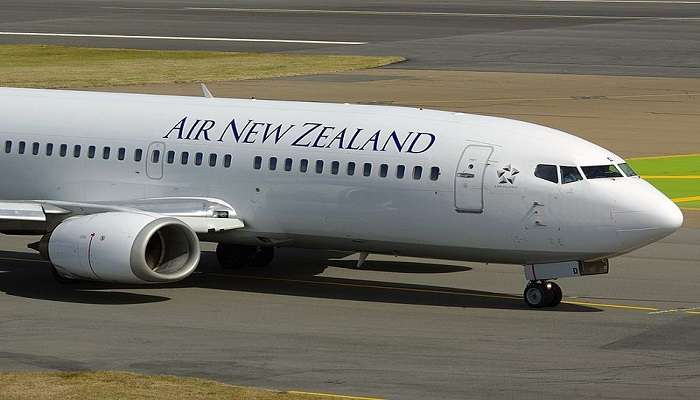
{"x":124,"y":247}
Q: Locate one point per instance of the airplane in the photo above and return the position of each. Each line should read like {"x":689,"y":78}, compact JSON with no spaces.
{"x":123,"y":187}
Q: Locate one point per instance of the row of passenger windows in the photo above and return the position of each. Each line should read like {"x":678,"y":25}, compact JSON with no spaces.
{"x":184,"y":157}
{"x":349,"y":168}
{"x":106,"y":153}
{"x":571,"y":174}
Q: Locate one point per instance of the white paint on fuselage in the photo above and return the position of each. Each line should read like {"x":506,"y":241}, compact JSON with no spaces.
{"x":531,"y":220}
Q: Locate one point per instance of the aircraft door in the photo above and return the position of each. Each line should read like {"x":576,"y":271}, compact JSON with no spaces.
{"x":154,"y":160}
{"x":469,"y":179}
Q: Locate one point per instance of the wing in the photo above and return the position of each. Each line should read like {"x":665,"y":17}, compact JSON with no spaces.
{"x":203,"y":215}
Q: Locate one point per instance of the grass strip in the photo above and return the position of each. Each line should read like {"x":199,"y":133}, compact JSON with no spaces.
{"x":660,"y":172}
{"x":44,"y":66}
{"x":127,"y":386}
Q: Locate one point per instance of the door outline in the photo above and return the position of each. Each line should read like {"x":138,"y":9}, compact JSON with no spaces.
{"x":463,"y":176}
{"x":155,"y":170}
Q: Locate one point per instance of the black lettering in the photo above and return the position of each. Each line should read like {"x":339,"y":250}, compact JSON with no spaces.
{"x":322,"y":136}
{"x":373,"y":139}
{"x":415,"y":140}
{"x":277,"y":132}
{"x":204,"y":129}
{"x":234,"y":130}
{"x":339,"y":136}
{"x":314,"y":126}
{"x":399,"y":144}
{"x":177,"y":128}
{"x":352,"y":140}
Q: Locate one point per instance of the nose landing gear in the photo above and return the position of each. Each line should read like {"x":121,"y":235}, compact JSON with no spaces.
{"x":543,"y":293}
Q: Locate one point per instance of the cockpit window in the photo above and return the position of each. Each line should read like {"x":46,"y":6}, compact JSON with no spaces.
{"x":601,"y":171}
{"x":570,"y":174}
{"x":547,"y":172}
{"x":627,"y":169}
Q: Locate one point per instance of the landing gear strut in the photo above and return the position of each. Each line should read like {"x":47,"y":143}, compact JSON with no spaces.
{"x":540,"y":294}
{"x":233,"y":256}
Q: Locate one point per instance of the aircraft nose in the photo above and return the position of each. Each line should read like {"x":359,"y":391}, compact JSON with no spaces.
{"x":645,"y":217}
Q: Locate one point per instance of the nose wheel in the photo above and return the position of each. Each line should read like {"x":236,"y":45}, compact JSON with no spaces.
{"x":539,"y":294}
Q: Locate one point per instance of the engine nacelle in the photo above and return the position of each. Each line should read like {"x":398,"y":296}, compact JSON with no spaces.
{"x":124,"y":247}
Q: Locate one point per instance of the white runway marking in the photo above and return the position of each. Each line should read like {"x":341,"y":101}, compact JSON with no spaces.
{"x":207,"y":39}
{"x":440,"y":14}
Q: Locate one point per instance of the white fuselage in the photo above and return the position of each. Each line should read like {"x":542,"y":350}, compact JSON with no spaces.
{"x":467,"y":210}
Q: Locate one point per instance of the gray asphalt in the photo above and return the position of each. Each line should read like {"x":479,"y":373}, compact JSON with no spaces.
{"x":620,"y":38}
{"x":399,"y":328}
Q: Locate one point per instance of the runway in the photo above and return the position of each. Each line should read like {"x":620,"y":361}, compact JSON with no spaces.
{"x":649,"y":38}
{"x":399,"y":328}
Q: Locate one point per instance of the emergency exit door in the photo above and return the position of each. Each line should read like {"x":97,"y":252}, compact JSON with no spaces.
{"x":154,"y":160}
{"x":469,"y":179}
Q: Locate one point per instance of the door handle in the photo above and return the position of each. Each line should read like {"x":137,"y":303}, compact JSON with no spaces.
{"x":465,"y":175}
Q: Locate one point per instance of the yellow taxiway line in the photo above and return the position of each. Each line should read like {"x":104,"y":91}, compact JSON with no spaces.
{"x":414,"y":290}
{"x":685,"y":199}
{"x":671,"y":156}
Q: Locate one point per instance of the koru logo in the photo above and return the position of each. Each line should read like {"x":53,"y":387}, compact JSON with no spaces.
{"x":507,"y":174}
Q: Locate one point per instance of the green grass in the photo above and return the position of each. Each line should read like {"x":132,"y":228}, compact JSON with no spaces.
{"x":676,"y":165}
{"x":672,"y":166}
{"x":42,"y":66}
{"x":127,"y":386}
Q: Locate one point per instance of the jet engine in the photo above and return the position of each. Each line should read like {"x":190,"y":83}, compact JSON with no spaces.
{"x":123,"y":247}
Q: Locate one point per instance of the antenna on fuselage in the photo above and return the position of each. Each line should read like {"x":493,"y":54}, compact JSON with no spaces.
{"x":206,"y":92}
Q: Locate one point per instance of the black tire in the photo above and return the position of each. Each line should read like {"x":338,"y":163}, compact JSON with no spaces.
{"x":231,"y":256}
{"x":263,"y":257}
{"x":557,"y":294}
{"x":63,"y":280}
{"x":536,"y":295}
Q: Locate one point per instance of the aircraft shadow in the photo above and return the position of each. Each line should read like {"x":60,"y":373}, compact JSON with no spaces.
{"x":294,"y":273}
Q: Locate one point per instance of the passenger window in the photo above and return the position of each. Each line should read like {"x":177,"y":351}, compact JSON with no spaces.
{"x":49,"y":149}
{"x":155,"y":156}
{"x":105,"y":152}
{"x":257,"y":162}
{"x":383,"y":170}
{"x":63,"y":150}
{"x":601,"y":171}
{"x":121,"y":154}
{"x":22,"y":145}
{"x":351,"y":168}
{"x":627,"y":169}
{"x":198,"y":157}
{"x":138,"y":154}
{"x":35,"y":148}
{"x":400,"y":171}
{"x":335,"y":167}
{"x":184,"y":158}
{"x":367,"y":169}
{"x":227,"y":161}
{"x":547,"y":172}
{"x":171,"y":157}
{"x":76,"y":151}
{"x":304,"y":165}
{"x":319,"y":166}
{"x":273,"y":163}
{"x":288,"y":164}
{"x":91,"y":152}
{"x":8,"y":146}
{"x":570,"y":174}
{"x":417,"y":172}
{"x":212,"y":160}
{"x":434,"y":173}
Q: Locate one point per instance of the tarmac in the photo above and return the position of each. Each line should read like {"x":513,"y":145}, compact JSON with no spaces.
{"x":403,"y":328}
